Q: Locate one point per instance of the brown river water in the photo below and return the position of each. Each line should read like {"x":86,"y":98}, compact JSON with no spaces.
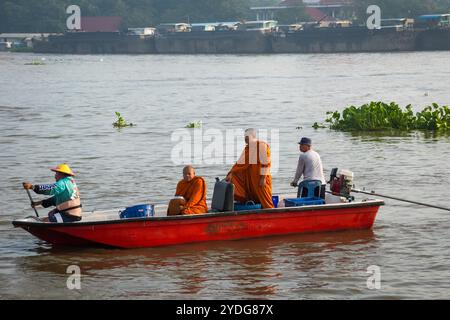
{"x":63,"y":111}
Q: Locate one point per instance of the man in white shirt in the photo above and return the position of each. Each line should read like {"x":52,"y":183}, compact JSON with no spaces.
{"x":310,"y":167}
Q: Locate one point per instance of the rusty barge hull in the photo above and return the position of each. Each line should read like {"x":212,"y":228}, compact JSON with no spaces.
{"x":326,"y":40}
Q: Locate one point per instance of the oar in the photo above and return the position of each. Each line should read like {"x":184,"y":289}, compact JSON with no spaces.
{"x":31,"y":199}
{"x":399,"y":199}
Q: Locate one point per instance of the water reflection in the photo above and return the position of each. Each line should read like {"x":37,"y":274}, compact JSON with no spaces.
{"x":256,"y":268}
{"x":47,"y":114}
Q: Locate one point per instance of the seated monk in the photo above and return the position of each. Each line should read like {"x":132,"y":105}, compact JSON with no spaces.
{"x":251,"y":173}
{"x":192,"y":189}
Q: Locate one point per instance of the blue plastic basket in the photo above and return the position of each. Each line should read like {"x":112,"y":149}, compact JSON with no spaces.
{"x":298,"y":202}
{"x":247,"y":206}
{"x":139,"y":211}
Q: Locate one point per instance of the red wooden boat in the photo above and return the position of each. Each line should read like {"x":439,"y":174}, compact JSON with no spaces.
{"x":106,"y":229}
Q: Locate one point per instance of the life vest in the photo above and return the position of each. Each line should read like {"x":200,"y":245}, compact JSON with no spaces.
{"x":72,"y":206}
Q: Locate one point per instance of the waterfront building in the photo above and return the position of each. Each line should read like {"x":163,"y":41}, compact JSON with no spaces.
{"x":317,"y":10}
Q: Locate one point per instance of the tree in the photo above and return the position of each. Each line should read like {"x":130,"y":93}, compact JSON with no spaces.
{"x":292,"y":15}
{"x":402,"y":8}
{"x":50,"y":15}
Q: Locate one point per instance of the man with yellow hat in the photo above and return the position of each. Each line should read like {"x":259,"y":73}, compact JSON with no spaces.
{"x":65,"y":195}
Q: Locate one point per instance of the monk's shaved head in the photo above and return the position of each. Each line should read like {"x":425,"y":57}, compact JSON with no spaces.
{"x":188,"y":173}
{"x":250,"y":132}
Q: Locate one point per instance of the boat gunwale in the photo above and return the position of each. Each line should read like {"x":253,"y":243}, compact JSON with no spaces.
{"x":325,"y":207}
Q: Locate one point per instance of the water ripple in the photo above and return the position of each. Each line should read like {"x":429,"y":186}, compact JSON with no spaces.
{"x":69,"y":119}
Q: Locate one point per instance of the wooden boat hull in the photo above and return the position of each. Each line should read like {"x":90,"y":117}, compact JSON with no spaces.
{"x":163,"y":231}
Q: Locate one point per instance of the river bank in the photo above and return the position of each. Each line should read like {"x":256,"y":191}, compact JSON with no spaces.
{"x":320,"y":40}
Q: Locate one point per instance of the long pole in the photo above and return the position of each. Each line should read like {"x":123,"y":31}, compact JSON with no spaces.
{"x":31,"y":199}
{"x":399,"y":199}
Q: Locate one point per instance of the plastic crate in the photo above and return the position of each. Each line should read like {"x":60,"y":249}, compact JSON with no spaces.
{"x":139,"y":211}
{"x":298,"y":202}
{"x":247,"y":206}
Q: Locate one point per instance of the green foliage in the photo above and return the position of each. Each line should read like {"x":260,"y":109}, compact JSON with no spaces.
{"x":195,"y":125}
{"x":319,"y":126}
{"x":292,"y":15}
{"x":50,"y":15}
{"x":381,"y":116}
{"x":402,"y":8}
{"x":202,"y":10}
{"x":32,"y":16}
{"x":121,"y":123}
{"x":434,"y":118}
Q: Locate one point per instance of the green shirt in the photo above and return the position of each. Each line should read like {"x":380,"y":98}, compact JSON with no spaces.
{"x":62,"y":191}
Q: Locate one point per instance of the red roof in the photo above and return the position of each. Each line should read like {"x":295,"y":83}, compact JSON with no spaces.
{"x":317,"y":15}
{"x":101,"y":24}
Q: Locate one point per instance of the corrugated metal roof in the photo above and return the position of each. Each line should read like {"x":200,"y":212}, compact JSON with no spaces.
{"x":319,"y":2}
{"x":336,"y":2}
{"x":24,"y":35}
{"x":291,"y":2}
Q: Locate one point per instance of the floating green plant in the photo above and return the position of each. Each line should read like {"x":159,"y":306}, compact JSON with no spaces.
{"x":121,"y":123}
{"x":35,"y":63}
{"x":319,"y":125}
{"x":195,"y":125}
{"x":382,"y":116}
{"x":434,"y":117}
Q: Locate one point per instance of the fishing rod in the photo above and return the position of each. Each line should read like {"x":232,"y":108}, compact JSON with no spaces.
{"x":373,"y":193}
{"x":342,"y":186}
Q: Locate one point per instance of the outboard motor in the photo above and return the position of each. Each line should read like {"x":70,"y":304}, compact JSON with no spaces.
{"x":341,"y":182}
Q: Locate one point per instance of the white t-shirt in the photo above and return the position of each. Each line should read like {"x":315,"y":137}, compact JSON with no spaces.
{"x":310,"y":167}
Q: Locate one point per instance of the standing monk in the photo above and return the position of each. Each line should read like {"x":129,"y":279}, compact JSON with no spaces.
{"x":193,"y":190}
{"x":251,"y":174}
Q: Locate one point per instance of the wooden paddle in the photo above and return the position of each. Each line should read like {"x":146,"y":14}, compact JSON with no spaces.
{"x":32,"y":202}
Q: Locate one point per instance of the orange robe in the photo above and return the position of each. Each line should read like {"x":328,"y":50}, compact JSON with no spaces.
{"x":254,"y":162}
{"x":194,"y":192}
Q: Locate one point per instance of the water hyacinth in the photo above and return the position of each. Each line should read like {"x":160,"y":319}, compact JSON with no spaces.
{"x":121,"y":123}
{"x":434,"y":118}
{"x":36,"y":63}
{"x":377,"y":116}
{"x":194,"y":125}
